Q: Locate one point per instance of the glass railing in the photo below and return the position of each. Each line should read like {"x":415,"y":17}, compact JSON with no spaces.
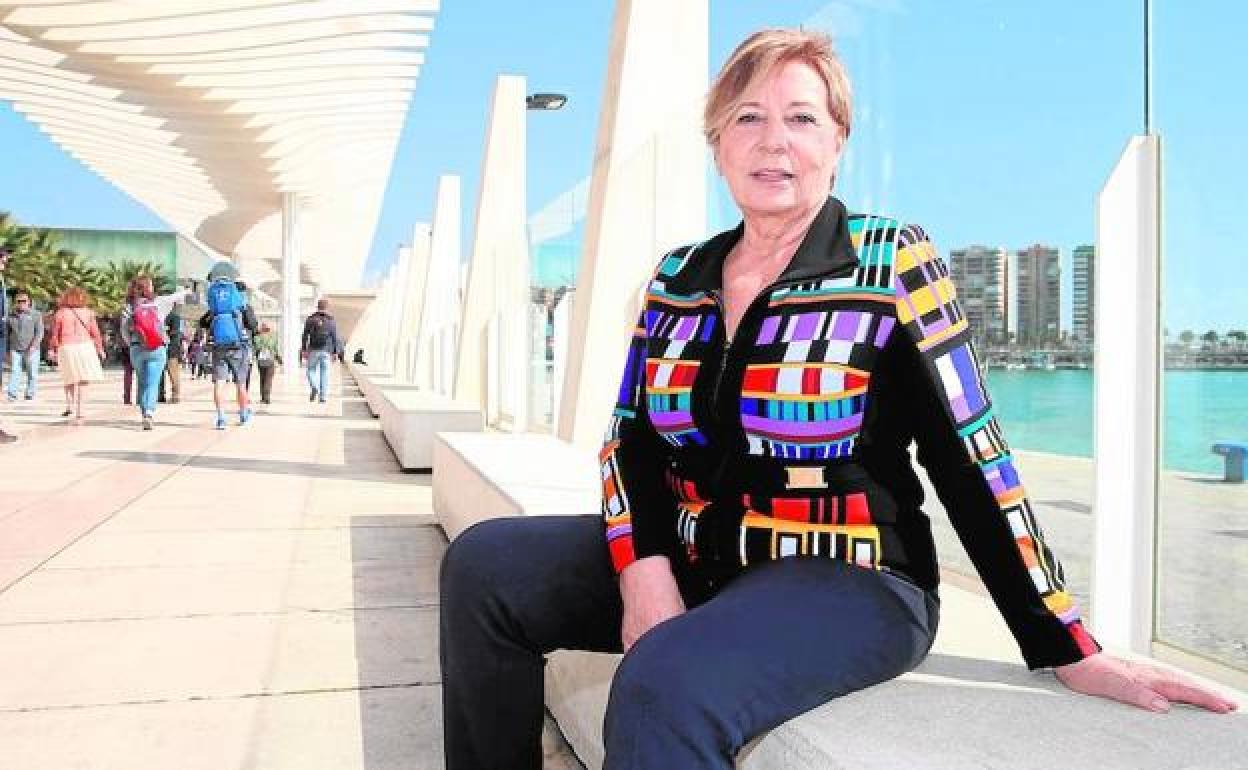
{"x":1202,"y":586}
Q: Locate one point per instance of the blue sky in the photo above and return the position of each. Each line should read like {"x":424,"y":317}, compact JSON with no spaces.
{"x":988,"y":122}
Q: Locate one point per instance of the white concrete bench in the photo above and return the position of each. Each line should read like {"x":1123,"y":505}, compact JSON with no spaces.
{"x":972,"y":704}
{"x":372,"y":381}
{"x":478,"y":476}
{"x":410,"y":419}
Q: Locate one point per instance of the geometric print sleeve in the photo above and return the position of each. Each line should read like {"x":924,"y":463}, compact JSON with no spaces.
{"x":970,"y":465}
{"x":638,"y":508}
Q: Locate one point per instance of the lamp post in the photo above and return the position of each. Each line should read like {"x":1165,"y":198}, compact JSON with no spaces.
{"x":545,"y":101}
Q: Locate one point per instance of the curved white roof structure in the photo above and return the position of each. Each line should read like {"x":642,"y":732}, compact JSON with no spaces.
{"x":208,"y":111}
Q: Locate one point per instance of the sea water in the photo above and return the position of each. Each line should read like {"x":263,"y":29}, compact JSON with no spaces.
{"x":1051,"y":411}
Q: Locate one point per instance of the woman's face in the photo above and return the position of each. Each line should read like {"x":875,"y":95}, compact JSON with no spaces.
{"x":779,"y":151}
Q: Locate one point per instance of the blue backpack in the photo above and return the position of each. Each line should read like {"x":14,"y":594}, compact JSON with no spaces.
{"x":225,"y":303}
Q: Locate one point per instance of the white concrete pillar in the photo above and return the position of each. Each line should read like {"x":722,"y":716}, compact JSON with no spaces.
{"x":498,"y":277}
{"x":1128,"y":366}
{"x":647,"y":193}
{"x":400,"y":298}
{"x":440,"y":308}
{"x":561,"y":334}
{"x":292,"y":322}
{"x":381,"y":320}
{"x":408,"y":330}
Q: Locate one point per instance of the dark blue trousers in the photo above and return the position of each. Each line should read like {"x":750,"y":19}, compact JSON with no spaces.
{"x":751,"y":653}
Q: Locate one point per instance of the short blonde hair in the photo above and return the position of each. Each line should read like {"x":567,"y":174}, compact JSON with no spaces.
{"x":758,"y":56}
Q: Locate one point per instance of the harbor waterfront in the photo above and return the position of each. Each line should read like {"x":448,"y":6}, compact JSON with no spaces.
{"x":1052,"y":411}
{"x":1202,"y":542}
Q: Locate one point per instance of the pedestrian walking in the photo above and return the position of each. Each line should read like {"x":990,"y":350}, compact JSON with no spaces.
{"x":174,"y":356}
{"x":320,"y":344}
{"x":267,"y":360}
{"x":5,"y":436}
{"x":229,"y":324}
{"x":143,"y":328}
{"x":193,"y":349}
{"x":76,"y":346}
{"x":121,"y":348}
{"x":24,"y":335}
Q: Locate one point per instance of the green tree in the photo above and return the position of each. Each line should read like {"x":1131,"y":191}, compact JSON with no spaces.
{"x":1186,"y":336}
{"x":42,"y":268}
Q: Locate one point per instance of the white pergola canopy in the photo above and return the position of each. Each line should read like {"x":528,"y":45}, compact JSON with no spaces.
{"x":208,"y":111}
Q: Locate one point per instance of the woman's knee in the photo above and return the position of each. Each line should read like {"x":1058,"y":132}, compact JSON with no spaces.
{"x":479,"y":558}
{"x":658,"y":687}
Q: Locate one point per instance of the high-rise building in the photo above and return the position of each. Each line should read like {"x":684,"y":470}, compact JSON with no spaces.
{"x":1039,"y":282}
{"x":981,"y":275}
{"x":1083,"y":291}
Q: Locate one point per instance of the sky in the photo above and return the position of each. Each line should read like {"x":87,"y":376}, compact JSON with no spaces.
{"x":985,"y":121}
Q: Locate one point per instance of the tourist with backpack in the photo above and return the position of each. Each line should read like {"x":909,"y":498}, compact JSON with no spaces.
{"x":320,"y":344}
{"x":143,"y":328}
{"x":229,"y":325}
{"x":268,"y":358}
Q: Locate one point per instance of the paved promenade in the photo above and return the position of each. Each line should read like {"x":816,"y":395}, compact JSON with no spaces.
{"x":262,"y":597}
{"x":266,"y":596}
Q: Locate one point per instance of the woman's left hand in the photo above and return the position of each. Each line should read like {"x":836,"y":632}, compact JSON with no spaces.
{"x":1138,"y":684}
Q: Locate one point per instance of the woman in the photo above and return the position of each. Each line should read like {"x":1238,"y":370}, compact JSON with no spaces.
{"x":760,"y":505}
{"x":143,"y":329}
{"x":267,"y":360}
{"x":76,"y":346}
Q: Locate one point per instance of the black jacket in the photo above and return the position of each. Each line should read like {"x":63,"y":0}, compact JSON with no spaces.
{"x":793,"y":439}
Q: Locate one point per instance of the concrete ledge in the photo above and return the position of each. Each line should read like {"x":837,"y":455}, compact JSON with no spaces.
{"x":411,"y":418}
{"x":971,"y":704}
{"x":372,"y":381}
{"x":478,"y":476}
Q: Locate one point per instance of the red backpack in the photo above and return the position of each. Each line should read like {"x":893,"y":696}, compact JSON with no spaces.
{"x":147,"y":325}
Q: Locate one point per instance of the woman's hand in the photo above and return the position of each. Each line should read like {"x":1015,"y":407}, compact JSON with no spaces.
{"x":1138,"y":684}
{"x":650,"y":596}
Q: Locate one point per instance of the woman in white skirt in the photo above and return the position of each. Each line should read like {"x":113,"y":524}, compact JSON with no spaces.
{"x":76,"y":346}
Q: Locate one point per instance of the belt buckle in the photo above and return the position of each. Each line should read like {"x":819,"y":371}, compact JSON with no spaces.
{"x":805,"y":478}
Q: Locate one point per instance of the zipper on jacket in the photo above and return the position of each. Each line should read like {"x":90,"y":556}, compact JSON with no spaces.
{"x":766,"y":291}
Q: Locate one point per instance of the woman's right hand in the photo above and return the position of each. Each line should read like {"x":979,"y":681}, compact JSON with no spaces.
{"x":650,"y":596}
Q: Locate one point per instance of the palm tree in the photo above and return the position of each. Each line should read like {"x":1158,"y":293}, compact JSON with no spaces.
{"x":42,"y":268}
{"x":116,"y":276}
{"x":37,"y":263}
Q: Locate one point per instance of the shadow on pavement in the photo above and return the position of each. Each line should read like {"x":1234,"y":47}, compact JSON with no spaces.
{"x":282,"y":467}
{"x":394,"y":571}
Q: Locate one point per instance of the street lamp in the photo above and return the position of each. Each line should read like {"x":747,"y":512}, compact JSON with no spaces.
{"x":545,"y":101}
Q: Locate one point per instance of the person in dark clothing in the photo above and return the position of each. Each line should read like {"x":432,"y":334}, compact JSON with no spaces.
{"x":320,"y":344}
{"x":358,"y":358}
{"x":175,"y":327}
{"x":5,"y":436}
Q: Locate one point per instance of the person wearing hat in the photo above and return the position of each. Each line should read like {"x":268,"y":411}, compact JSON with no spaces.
{"x":230,"y":324}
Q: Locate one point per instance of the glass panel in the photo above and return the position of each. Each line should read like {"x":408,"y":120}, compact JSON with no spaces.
{"x":1203,"y":528}
{"x":994,"y":126}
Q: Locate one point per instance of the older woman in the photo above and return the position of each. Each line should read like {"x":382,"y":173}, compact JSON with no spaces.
{"x":761,"y":510}
{"x":76,"y":345}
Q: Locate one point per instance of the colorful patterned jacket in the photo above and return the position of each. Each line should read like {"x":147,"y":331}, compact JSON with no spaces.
{"x":792,"y":439}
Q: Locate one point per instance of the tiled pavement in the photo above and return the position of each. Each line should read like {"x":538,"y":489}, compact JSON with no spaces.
{"x":262,"y":597}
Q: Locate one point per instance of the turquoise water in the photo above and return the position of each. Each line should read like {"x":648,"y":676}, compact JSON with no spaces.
{"x":1052,"y":412}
